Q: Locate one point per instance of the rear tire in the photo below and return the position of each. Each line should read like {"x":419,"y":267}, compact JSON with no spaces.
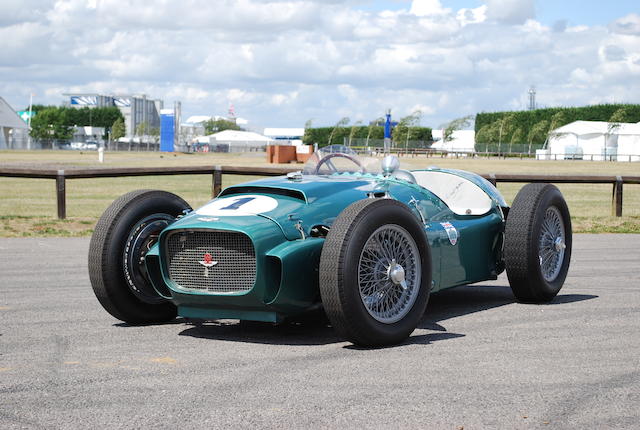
{"x":537,"y":249}
{"x":123,"y":234}
{"x":372,"y":248}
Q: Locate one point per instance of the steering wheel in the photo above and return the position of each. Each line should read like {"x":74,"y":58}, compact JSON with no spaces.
{"x":327,"y":159}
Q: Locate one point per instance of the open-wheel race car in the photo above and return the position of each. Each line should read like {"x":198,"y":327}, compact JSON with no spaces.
{"x":358,"y":237}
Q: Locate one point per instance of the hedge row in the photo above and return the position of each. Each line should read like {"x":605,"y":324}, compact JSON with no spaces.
{"x":518,"y":126}
{"x":338,"y":135}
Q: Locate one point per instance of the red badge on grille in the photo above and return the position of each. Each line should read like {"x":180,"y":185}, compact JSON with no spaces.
{"x":207,"y":261}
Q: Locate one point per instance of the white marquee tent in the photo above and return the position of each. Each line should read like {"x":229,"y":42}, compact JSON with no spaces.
{"x":628,"y":142}
{"x":9,"y":121}
{"x":461,"y":141}
{"x":285,"y":135}
{"x":236,"y":140}
{"x":594,"y":140}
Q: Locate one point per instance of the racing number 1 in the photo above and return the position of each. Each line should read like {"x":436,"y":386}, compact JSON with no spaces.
{"x":237,"y":203}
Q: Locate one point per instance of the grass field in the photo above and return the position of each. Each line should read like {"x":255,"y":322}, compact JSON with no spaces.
{"x":28,"y":206}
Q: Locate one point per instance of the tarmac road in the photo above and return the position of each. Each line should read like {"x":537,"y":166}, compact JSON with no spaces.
{"x":478,"y":360}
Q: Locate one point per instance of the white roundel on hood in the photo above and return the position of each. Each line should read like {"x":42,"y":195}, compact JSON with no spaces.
{"x":239,"y":205}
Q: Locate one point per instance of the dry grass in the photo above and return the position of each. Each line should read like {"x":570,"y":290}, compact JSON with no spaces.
{"x":28,"y":206}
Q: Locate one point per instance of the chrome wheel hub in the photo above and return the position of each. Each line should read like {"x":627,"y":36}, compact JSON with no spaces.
{"x":395,"y":272}
{"x":389,"y":273}
{"x":552,"y":244}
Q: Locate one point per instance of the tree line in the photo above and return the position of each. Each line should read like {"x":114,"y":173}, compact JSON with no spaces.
{"x":57,"y":122}
{"x":499,"y":131}
{"x":406,"y":133}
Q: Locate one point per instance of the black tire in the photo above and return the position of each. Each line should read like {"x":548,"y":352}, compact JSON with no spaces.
{"x":531,"y":280}
{"x":122,"y":233}
{"x":340,"y":261}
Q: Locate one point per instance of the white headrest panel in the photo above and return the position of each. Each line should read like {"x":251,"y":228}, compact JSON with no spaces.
{"x":461,"y":195}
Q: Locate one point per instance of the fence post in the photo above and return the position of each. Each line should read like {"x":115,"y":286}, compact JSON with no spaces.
{"x":616,"y":198}
{"x":216,"y":184}
{"x":61,"y":195}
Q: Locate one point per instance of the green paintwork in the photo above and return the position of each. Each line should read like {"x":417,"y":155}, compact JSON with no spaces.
{"x":287,"y":266}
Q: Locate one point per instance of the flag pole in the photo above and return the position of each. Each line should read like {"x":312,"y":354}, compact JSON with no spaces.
{"x":29,"y":121}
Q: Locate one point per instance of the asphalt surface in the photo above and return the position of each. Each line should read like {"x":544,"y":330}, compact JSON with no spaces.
{"x":479,"y":360}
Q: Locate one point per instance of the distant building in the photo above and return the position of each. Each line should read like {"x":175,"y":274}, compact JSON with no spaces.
{"x":193,"y":127}
{"x":136,"y":109}
{"x":87,"y":134}
{"x":285,"y":135}
{"x":10,"y":126}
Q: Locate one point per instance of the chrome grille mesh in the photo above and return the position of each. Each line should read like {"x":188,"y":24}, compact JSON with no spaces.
{"x":235,"y":270}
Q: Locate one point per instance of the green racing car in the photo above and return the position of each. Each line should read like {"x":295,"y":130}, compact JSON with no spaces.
{"x":358,"y":237}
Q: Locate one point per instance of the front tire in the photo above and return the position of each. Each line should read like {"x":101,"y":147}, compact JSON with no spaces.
{"x":123,"y":235}
{"x":538,"y":240}
{"x":375,"y":272}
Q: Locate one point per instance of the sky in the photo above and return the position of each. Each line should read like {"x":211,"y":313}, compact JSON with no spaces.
{"x":283,"y":63}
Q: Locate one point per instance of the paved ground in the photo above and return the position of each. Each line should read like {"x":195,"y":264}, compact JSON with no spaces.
{"x":478,"y":360}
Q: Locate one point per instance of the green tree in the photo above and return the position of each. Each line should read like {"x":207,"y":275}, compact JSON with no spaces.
{"x":141,"y":129}
{"x":402,"y":131}
{"x":155,"y":133}
{"x":353,"y":131}
{"x":217,"y":125}
{"x":558,"y":120}
{"x":371,"y":127}
{"x":118,"y":129}
{"x":456,"y":124}
{"x":516,"y":137}
{"x":538,"y":133}
{"x":308,"y":123}
{"x":505,"y":126}
{"x":343,"y":122}
{"x":622,"y":115}
{"x":487,"y":134}
{"x":51,"y":123}
{"x":38,"y":108}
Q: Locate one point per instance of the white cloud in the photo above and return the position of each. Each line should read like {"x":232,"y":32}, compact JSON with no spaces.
{"x":472,"y":16}
{"x":629,"y":24}
{"x":428,"y":8}
{"x":510,"y":11}
{"x":283,"y":62}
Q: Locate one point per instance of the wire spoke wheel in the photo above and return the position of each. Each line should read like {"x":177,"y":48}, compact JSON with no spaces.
{"x":389,"y":273}
{"x":552,"y":244}
{"x":375,"y":272}
{"x":538,"y":239}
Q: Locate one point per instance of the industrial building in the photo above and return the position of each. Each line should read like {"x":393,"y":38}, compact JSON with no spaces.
{"x":136,"y":109}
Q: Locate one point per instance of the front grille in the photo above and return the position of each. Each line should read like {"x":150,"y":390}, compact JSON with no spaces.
{"x":233,"y":253}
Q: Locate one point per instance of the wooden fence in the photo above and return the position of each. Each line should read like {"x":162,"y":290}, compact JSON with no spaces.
{"x":61,"y":176}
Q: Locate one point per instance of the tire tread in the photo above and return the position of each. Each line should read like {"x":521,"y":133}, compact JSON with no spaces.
{"x":119,"y":302}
